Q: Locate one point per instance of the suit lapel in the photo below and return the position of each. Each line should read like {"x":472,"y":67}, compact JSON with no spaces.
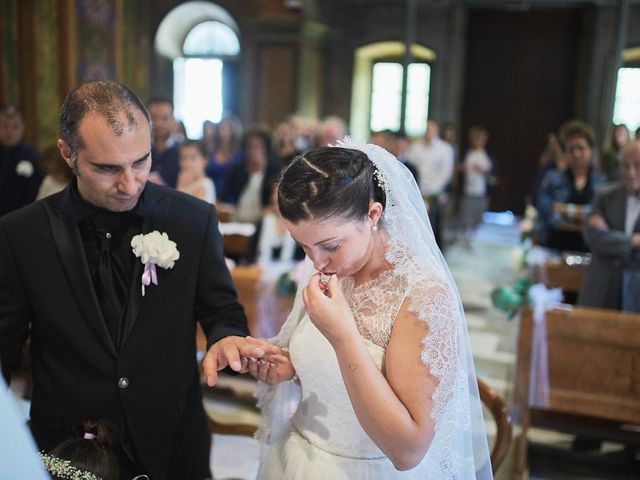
{"x":153,"y":210}
{"x":71,"y":250}
{"x":620,"y":209}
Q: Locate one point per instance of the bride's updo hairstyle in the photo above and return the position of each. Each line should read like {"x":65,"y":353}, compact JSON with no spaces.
{"x":328,"y":182}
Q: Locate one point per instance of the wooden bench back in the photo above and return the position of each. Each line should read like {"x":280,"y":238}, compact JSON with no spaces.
{"x":594,"y":362}
{"x":560,"y":275}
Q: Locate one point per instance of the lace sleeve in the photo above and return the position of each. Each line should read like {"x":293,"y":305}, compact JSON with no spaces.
{"x":433,"y":302}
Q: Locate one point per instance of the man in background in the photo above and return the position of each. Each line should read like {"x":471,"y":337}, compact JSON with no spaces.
{"x":164,"y":152}
{"x":19,"y":176}
{"x":434,"y":160}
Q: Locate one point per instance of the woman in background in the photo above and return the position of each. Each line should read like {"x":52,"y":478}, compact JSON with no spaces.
{"x":192,"y":178}
{"x":226,"y":149}
{"x":611,"y":157}
{"x":57,"y":172}
{"x":477,"y":169}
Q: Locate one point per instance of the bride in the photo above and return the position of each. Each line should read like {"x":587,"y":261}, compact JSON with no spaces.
{"x":376,"y":378}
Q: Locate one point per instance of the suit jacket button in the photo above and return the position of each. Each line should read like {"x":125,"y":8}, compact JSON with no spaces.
{"x":123,"y":382}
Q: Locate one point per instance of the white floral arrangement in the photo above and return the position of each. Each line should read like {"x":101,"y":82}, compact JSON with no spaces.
{"x":24,"y":168}
{"x":153,"y":249}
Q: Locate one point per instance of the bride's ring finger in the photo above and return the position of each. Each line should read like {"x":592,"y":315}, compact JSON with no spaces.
{"x":253,"y":367}
{"x":244,"y":363}
{"x":263,"y":370}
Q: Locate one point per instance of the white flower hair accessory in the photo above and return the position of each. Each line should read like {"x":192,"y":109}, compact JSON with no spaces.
{"x":379,"y":178}
{"x":64,"y":469}
{"x":154,"y":248}
{"x":24,"y":168}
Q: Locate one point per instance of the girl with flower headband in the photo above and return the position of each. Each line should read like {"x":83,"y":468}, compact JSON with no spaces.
{"x":89,"y":455}
{"x":376,"y":378}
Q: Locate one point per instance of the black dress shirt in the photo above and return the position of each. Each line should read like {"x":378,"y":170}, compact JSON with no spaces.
{"x":112,"y":231}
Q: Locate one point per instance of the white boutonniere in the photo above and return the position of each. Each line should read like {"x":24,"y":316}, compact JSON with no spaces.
{"x":154,"y":248}
{"x":24,"y":168}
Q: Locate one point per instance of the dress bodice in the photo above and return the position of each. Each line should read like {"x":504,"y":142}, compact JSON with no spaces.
{"x":325,"y":416}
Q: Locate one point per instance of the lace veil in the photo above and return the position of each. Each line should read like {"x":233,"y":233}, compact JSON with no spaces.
{"x":459,"y":447}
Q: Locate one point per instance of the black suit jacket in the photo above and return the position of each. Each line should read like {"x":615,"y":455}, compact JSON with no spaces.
{"x":152,"y":380}
{"x":17,"y":190}
{"x":237,"y":178}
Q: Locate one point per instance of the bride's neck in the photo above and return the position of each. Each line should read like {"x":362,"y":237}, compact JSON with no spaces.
{"x":376,"y":263}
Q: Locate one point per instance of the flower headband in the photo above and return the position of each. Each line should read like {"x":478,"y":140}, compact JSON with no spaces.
{"x":379,"y":178}
{"x":63,"y":468}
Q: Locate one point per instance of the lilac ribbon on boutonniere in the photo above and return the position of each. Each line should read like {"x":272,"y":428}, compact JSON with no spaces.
{"x":154,"y":248}
{"x":149,"y":276}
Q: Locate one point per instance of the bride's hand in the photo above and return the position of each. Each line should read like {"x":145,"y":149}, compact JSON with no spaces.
{"x":271,"y":369}
{"x":329,"y":310}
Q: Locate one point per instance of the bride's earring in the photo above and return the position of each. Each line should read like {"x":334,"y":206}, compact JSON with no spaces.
{"x":374,"y":227}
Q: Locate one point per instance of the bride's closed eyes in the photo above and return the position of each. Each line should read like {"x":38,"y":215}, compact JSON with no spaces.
{"x":326,"y":248}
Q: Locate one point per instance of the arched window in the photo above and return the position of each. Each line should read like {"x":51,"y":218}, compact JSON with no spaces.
{"x":211,"y":39}
{"x":626,"y":106}
{"x":377,"y":89}
{"x":386,"y":97}
{"x":202,"y":40}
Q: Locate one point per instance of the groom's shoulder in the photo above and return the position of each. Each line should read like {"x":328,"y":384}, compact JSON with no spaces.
{"x":178,"y":202}
{"x":30,"y":216}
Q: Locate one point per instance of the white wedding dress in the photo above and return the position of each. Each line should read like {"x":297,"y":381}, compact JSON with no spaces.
{"x":309,"y":429}
{"x":324,"y":438}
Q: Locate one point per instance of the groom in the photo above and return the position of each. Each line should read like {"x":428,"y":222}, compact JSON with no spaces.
{"x":100,"y":348}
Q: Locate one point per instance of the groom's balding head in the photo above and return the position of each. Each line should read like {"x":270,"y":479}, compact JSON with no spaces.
{"x":111,"y":100}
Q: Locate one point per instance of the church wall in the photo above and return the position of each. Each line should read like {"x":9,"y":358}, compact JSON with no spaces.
{"x":49,"y":46}
{"x":269,"y":70}
{"x":519,"y":90}
{"x":438,"y":29}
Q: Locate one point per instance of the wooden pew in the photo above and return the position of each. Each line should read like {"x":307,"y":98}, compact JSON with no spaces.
{"x":594,"y":376}
{"x":265,"y":315}
{"x":561,"y":275}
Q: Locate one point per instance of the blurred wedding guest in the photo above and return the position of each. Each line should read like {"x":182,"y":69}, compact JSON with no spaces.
{"x":331,"y":129}
{"x":564,"y":198}
{"x":248,"y":183}
{"x":284,"y":148}
{"x":380,"y":138}
{"x":209,"y":136}
{"x":434,"y":159}
{"x":397,"y":145}
{"x":192,"y":178}
{"x":89,"y":454}
{"x":477,"y":170}
{"x":57,"y":172}
{"x":610,"y":158}
{"x":272,"y":242}
{"x":164,"y":149}
{"x":448,"y":134}
{"x":179,"y":133}
{"x":637,"y":134}
{"x":551,"y":158}
{"x":19,"y":175}
{"x":613,"y":234}
{"x":226,"y":149}
{"x":304,"y":132}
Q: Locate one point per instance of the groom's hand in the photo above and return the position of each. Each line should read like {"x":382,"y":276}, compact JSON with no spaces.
{"x":233,"y":352}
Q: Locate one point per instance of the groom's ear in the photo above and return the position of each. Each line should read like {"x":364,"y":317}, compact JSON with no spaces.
{"x":65,"y":151}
